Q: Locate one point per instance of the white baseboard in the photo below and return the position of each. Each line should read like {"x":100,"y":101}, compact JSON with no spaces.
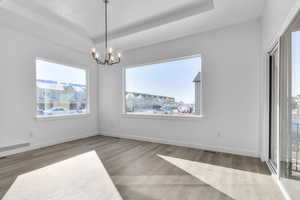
{"x":46,"y":144}
{"x":134,"y":137}
{"x":13,"y":146}
{"x":176,"y":143}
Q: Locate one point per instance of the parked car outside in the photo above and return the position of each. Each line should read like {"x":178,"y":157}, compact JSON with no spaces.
{"x":56,"y":111}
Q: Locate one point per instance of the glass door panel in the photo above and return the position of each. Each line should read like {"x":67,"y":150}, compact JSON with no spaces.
{"x":274,"y":106}
{"x":295,"y":105}
{"x":290,"y":134}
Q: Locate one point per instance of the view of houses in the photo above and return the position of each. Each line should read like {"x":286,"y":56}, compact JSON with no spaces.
{"x":155,"y":104}
{"x":151,"y":104}
{"x":58,"y":98}
{"x":295,"y":129}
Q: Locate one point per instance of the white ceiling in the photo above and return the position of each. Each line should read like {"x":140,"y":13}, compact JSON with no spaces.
{"x":131,"y":21}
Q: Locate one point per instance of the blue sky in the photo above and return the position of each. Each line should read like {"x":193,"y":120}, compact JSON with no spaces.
{"x":61,"y":73}
{"x":172,"y":79}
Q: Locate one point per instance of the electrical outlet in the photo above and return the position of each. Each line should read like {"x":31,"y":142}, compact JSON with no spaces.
{"x":219,"y":134}
{"x":30,"y":134}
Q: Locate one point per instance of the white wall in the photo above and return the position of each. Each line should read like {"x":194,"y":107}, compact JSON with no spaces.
{"x":274,"y":16}
{"x":231,"y":59}
{"x":17,"y":89}
{"x":277,"y":15}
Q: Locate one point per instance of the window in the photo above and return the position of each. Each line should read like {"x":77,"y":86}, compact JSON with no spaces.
{"x":169,"y":88}
{"x":61,"y":90}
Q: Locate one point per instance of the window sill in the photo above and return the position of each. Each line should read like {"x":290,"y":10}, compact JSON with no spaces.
{"x":62,"y":117}
{"x":161,"y":117}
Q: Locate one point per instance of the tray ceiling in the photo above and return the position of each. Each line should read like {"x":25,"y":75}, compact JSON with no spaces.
{"x":135,"y":17}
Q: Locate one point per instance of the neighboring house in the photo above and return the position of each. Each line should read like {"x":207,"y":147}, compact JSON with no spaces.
{"x":197,"y":81}
{"x":54,"y":94}
{"x":142,"y":101}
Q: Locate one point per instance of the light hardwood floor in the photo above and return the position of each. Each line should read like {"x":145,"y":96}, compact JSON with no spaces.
{"x":150,"y":171}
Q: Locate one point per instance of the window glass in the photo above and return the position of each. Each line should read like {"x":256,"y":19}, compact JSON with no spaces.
{"x":61,"y":90}
{"x":169,"y":88}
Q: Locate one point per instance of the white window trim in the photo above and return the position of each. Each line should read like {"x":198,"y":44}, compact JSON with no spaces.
{"x":60,"y":117}
{"x":66,"y":116}
{"x":124,"y":114}
{"x":161,"y":116}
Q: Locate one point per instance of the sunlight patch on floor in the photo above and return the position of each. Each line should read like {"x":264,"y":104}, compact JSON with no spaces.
{"x":237,"y":184}
{"x":79,"y":178}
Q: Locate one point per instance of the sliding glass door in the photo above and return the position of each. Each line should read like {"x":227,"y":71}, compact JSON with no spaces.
{"x":295,"y":105}
{"x":274,"y":106}
{"x":289,"y":115}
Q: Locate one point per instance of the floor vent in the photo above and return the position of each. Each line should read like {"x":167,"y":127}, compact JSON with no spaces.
{"x":206,"y":151}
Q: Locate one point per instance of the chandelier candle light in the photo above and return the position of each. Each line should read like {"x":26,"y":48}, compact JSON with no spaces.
{"x":109,"y":58}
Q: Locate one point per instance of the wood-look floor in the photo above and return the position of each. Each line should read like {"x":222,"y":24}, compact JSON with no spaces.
{"x":150,"y":171}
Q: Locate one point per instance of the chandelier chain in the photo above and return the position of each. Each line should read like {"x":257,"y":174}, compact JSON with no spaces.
{"x":106,"y":2}
{"x":108,"y":58}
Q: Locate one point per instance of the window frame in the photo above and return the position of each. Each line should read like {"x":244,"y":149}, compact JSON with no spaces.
{"x":125,"y":114}
{"x":63,"y":116}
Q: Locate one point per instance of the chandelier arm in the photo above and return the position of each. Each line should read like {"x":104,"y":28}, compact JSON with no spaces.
{"x":109,"y":56}
{"x":101,"y":62}
{"x":94,"y":55}
{"x":117,"y":61}
{"x":98,"y":61}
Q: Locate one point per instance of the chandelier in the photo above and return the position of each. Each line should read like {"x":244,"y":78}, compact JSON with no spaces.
{"x":108,"y":58}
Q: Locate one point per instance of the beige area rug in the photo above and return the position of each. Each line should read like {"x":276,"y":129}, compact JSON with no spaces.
{"x":79,"y":178}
